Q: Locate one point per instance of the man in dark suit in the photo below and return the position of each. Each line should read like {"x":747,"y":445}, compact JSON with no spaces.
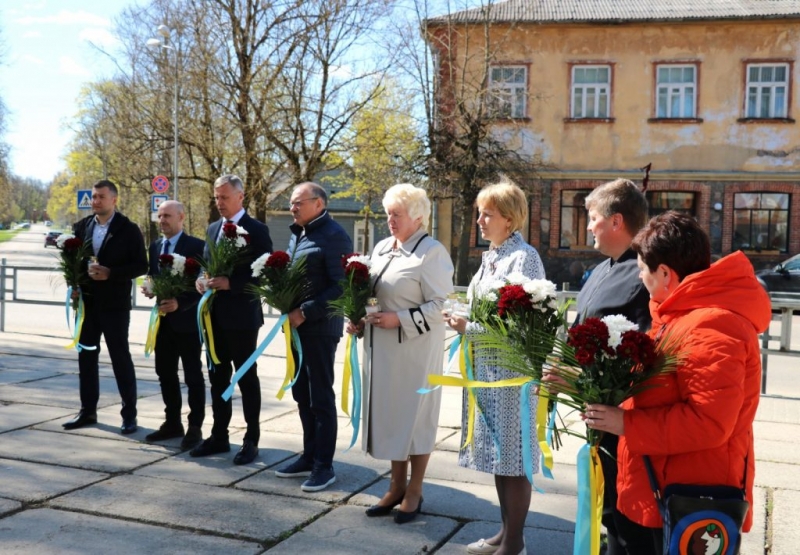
{"x":322,"y":242}
{"x":236,"y":316}
{"x":178,"y":337}
{"x":120,"y":255}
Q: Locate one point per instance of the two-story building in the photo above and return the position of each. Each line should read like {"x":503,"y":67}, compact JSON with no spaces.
{"x":705,"y":92}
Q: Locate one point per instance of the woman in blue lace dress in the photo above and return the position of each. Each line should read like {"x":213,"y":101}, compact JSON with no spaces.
{"x":497,"y":438}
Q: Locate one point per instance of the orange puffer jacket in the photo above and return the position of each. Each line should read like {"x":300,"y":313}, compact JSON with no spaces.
{"x":697,"y":423}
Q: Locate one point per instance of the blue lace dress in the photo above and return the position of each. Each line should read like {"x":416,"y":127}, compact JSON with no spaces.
{"x":501,"y":422}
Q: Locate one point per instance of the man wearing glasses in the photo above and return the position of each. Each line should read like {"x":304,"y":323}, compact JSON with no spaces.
{"x":323,"y":243}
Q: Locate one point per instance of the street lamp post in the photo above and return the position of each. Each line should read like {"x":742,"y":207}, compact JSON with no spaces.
{"x":163,"y":42}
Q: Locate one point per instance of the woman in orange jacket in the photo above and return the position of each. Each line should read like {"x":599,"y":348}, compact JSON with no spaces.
{"x":696,"y":424}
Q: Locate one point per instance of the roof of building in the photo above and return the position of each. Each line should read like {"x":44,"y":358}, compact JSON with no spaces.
{"x":599,"y":11}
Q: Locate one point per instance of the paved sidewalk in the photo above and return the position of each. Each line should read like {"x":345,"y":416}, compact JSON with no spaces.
{"x":95,"y":491}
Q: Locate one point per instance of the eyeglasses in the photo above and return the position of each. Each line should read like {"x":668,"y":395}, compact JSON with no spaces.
{"x":299,"y":202}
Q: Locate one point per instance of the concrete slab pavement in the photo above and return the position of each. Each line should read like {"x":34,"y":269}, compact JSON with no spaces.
{"x":95,"y":491}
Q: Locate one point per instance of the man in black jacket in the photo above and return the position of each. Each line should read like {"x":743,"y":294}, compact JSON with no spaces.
{"x":178,"y":337}
{"x":236,"y":316}
{"x":323,"y":243}
{"x":118,"y":248}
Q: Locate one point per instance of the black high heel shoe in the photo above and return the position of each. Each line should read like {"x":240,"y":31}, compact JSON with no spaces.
{"x":383,"y":510}
{"x":401,"y":517}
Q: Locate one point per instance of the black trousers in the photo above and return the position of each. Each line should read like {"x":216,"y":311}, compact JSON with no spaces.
{"x":608,"y":460}
{"x":172,"y":346}
{"x":316,"y":399}
{"x":233,"y":348}
{"x":113,"y":327}
{"x":634,"y":539}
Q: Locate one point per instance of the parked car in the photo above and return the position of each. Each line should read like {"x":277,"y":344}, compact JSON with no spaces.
{"x":48,"y":223}
{"x":50,"y":238}
{"x":785,"y":277}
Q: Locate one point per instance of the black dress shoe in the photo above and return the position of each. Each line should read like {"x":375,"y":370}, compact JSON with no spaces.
{"x":128,"y":426}
{"x":401,"y":517}
{"x":383,"y":510}
{"x":83,"y":418}
{"x":193,"y":438}
{"x":210,"y":446}
{"x":168,"y":430}
{"x":247,"y":453}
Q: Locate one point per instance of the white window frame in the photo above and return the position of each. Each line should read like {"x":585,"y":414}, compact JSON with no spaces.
{"x":761,"y":87}
{"x":681,"y":90}
{"x":509,"y":98}
{"x":578,"y":107}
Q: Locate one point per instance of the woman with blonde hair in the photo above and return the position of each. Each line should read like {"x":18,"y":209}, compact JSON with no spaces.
{"x":502,"y":213}
{"x":411,"y":277}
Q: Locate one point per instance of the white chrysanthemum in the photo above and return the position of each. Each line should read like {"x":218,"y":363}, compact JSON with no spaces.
{"x":63,"y":238}
{"x":539,"y":290}
{"x":241,"y":242}
{"x":617,"y":325}
{"x":178,"y":264}
{"x":496,"y":284}
{"x":241,"y":231}
{"x":258,"y":265}
{"x":491,"y":296}
{"x":362,"y":258}
{"x":516,"y":278}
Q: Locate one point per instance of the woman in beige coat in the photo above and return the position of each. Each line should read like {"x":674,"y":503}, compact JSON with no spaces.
{"x":412,"y":276}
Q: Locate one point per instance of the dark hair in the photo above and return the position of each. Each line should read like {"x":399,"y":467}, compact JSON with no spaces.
{"x":623,"y":197}
{"x":106,"y":184}
{"x":675,"y":240}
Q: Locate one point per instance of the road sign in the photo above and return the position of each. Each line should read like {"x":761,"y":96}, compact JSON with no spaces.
{"x":160,"y":184}
{"x":84,"y":199}
{"x":156,"y":200}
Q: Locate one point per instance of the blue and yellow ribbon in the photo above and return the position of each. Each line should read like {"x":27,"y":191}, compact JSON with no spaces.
{"x":152,"y":331}
{"x":590,"y":502}
{"x":80,"y":315}
{"x":541,"y":429}
{"x":204,"y":324}
{"x":352,"y":373}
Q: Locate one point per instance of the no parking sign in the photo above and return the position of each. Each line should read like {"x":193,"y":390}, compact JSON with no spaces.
{"x":160,"y":184}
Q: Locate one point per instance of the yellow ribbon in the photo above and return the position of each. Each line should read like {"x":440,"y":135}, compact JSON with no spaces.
{"x":541,"y":430}
{"x":78,"y":323}
{"x":152,"y":331}
{"x":287,"y":379}
{"x":597,"y":487}
{"x":206,"y":314}
{"x":346,"y":375}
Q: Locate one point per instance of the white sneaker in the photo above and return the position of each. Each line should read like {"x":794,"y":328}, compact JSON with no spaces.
{"x":481,"y":547}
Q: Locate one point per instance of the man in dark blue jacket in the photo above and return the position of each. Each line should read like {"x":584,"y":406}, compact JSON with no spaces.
{"x":323,"y":243}
{"x":119,"y":253}
{"x":178,"y":337}
{"x":236,"y":316}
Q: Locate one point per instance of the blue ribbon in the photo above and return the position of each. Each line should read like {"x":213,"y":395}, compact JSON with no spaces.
{"x":200,"y":304}
{"x":454,"y":345}
{"x":257,"y":353}
{"x":78,"y":317}
{"x":355,"y":374}
{"x":527,"y":439}
{"x":299,"y":347}
{"x":583,"y":517}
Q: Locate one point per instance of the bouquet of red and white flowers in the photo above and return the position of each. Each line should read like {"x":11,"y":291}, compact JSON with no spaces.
{"x":282,"y":281}
{"x":355,"y":288}
{"x":228,"y":252}
{"x":521,"y":318}
{"x":177,"y":275}
{"x":73,"y":254}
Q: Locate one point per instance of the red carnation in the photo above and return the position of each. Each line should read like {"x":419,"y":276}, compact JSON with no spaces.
{"x":165,"y":260}
{"x":72,"y":244}
{"x":191,"y":267}
{"x":346,"y":259}
{"x":358,"y":272}
{"x":278,"y":260}
{"x":638,"y":347}
{"x":513,"y":298}
{"x":229,"y":231}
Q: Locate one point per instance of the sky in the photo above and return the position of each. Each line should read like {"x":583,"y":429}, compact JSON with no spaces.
{"x":45,"y":58}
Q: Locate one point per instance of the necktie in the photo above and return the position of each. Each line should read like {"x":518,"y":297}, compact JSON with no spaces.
{"x":165,"y":249}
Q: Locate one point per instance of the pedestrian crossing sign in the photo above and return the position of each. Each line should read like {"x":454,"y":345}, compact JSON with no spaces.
{"x":84,"y":199}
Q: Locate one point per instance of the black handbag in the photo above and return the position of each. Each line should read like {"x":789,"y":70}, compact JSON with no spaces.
{"x":700,"y":519}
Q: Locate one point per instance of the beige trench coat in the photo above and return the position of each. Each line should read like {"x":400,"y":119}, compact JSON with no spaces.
{"x":398,"y":421}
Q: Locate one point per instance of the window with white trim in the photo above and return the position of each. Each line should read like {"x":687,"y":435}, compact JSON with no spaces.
{"x":676,"y":91}
{"x":767,"y":90}
{"x":591,"y":90}
{"x":508,"y":87}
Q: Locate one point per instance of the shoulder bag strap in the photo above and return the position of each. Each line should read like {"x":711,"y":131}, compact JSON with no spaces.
{"x":378,"y":278}
{"x":651,"y":475}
